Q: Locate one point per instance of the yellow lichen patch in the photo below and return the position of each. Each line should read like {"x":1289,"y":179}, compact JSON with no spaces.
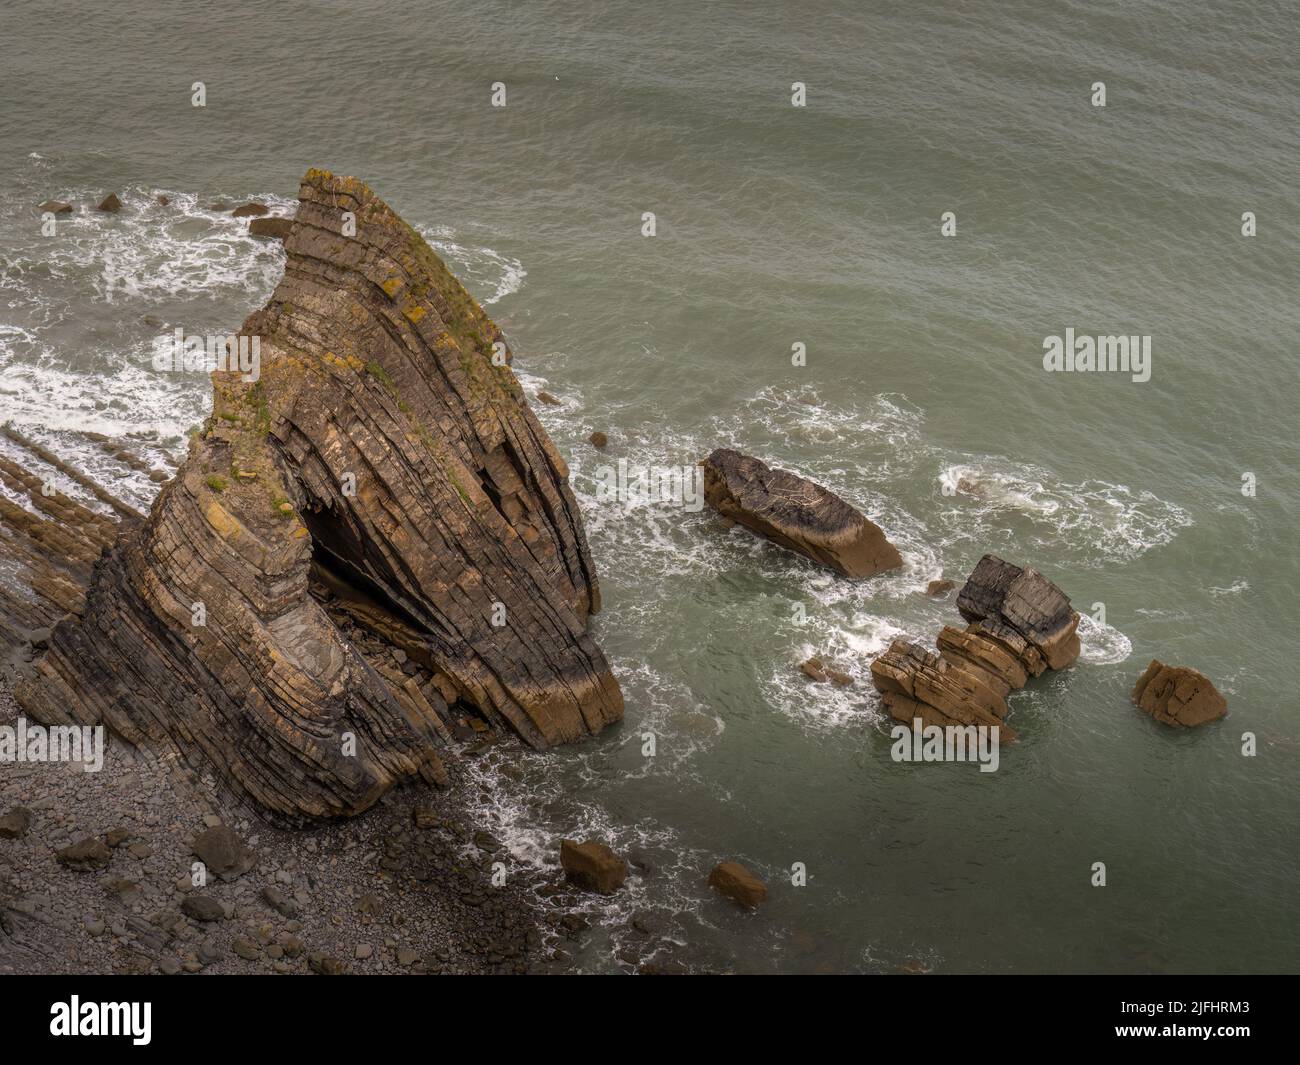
{"x":392,"y":286}
{"x":226,"y":524}
{"x":413,"y":311}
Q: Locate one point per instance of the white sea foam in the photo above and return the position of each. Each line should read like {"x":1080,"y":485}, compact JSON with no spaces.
{"x":489,"y":274}
{"x":844,"y":645}
{"x":529,"y":814}
{"x":202,"y":265}
{"x":1101,"y":644}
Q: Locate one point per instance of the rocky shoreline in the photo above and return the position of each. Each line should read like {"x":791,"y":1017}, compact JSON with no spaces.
{"x":370,"y":570}
{"x":379,"y":893}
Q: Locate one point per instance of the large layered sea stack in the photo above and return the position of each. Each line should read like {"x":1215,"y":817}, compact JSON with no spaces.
{"x":1021,"y":624}
{"x":383,"y":468}
{"x":797,"y":514}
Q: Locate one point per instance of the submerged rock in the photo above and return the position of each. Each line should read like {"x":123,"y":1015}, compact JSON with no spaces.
{"x":249,"y":210}
{"x":796,"y":514}
{"x":813,"y":669}
{"x":592,"y":866}
{"x":738,"y":884}
{"x":598,"y":439}
{"x":817,"y":670}
{"x":1177,"y":695}
{"x":1021,"y":625}
{"x":402,"y":480}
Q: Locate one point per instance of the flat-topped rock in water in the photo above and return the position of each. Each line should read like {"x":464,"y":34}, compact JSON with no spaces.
{"x":1021,"y":624}
{"x":796,"y":514}
{"x":382,"y":464}
{"x":274,"y":228}
{"x":1024,"y":609}
{"x":592,"y":866}
{"x":1177,"y":695}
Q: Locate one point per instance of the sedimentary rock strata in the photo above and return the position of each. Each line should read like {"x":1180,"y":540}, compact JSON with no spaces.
{"x":1021,"y":624}
{"x":796,"y":514}
{"x":381,"y":455}
{"x":47,"y":548}
{"x":1177,"y":695}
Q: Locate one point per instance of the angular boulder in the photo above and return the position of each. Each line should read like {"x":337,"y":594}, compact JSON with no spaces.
{"x":203,"y":908}
{"x":381,"y":470}
{"x":737,"y":883}
{"x":274,"y":228}
{"x":223,"y":852}
{"x":796,"y":514}
{"x":56,"y":207}
{"x":85,"y":855}
{"x":1021,"y":624}
{"x":1179,"y":696}
{"x":110,"y":204}
{"x":592,"y":866}
{"x":15,"y":823}
{"x":1024,"y":610}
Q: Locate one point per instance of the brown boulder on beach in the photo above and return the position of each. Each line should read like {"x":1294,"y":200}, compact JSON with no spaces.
{"x":1177,"y":695}
{"x":796,"y":514}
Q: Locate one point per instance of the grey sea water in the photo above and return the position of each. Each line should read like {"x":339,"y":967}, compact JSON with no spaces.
{"x":776,"y":225}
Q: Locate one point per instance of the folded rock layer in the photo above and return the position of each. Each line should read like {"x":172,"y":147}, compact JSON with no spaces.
{"x":796,"y":514}
{"x":1021,"y":624}
{"x":385,"y":452}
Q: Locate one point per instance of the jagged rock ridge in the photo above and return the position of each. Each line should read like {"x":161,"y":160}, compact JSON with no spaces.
{"x":386,"y":459}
